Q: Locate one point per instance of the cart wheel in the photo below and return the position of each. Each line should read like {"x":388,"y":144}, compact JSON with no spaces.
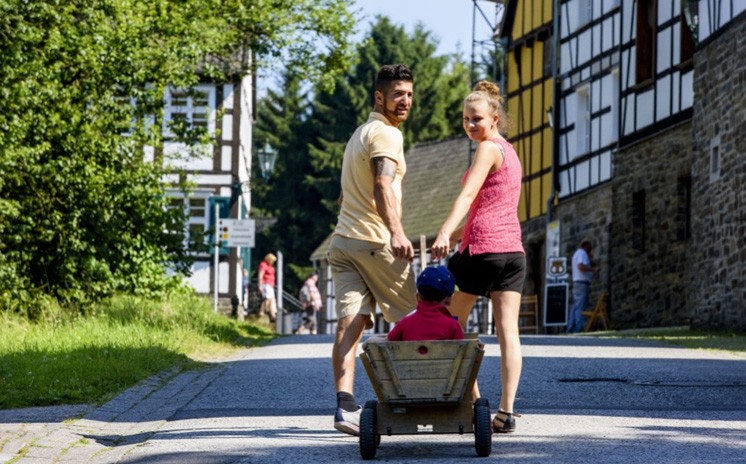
{"x":482,"y":427}
{"x":369,"y":437}
{"x":373,"y":404}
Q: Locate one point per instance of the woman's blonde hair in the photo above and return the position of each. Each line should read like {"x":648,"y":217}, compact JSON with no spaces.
{"x":270,"y":258}
{"x":490,"y":93}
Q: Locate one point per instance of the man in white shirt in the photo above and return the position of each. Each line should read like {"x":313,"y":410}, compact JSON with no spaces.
{"x":582,"y":274}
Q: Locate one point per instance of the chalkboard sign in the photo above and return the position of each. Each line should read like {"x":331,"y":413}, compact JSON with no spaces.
{"x":555,"y":304}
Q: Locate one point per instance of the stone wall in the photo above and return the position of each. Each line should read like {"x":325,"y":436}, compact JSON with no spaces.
{"x":650,"y":234}
{"x":718,"y":280}
{"x":589,"y":215}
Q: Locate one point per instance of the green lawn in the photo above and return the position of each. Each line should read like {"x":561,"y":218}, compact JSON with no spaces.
{"x":72,"y":360}
{"x":682,"y":336}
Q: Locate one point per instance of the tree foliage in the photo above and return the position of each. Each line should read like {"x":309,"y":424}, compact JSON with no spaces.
{"x":82,"y":84}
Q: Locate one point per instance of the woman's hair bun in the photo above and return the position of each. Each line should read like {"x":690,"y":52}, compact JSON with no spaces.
{"x":489,"y":88}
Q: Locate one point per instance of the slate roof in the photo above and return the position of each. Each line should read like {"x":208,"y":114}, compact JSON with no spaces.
{"x":432,"y":183}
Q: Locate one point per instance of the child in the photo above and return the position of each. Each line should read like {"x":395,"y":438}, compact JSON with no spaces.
{"x":431,"y":320}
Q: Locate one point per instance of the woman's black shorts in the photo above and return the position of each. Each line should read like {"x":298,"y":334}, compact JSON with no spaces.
{"x":488,"y":272}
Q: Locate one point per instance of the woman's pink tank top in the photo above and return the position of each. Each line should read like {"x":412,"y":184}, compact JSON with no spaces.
{"x":492,"y":225}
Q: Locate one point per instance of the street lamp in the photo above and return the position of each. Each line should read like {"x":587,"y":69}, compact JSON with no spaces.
{"x":267,"y":156}
{"x":691,"y":15}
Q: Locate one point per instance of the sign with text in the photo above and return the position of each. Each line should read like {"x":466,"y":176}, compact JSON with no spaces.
{"x":235,"y":233}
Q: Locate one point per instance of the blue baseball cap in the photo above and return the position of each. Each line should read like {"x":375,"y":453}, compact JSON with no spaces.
{"x":435,"y":283}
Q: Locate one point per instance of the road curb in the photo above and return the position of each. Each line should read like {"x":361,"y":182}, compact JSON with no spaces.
{"x":104,"y":434}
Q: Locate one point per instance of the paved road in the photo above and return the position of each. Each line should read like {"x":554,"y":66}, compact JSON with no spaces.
{"x":584,"y":400}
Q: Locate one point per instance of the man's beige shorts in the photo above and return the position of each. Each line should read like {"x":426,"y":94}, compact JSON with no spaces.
{"x":367,"y":273}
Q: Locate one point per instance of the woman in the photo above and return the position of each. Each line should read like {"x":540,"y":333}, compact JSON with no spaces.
{"x":267,"y":286}
{"x":491,"y":260}
{"x":310,"y":297}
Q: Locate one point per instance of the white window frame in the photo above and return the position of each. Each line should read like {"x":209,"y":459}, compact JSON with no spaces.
{"x":188,"y":106}
{"x":199,"y":220}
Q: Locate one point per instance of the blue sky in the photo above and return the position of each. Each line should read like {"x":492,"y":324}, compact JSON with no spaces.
{"x":449,"y":20}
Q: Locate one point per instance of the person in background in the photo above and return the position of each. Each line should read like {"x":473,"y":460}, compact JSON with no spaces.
{"x":582,"y":274}
{"x":267,"y":287}
{"x":245,"y":290}
{"x":431,"y":320}
{"x":369,"y":253}
{"x":311,"y":300}
{"x":491,"y":260}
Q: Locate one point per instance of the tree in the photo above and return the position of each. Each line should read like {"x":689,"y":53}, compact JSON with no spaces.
{"x":82,"y":84}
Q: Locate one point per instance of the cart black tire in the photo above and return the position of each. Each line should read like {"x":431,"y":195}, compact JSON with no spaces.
{"x":369,"y":437}
{"x":482,"y":427}
{"x":373,"y":404}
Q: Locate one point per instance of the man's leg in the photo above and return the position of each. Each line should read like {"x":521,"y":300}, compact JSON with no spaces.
{"x":344,"y":355}
{"x":580,"y":301}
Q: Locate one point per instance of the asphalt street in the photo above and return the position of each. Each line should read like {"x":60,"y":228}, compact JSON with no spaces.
{"x":583,"y":400}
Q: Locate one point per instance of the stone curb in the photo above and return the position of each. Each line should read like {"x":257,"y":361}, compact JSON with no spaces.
{"x":105,"y":434}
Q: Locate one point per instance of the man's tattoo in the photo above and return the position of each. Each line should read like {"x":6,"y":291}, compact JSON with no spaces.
{"x":383,"y":166}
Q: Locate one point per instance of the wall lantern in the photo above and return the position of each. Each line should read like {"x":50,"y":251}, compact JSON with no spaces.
{"x":267,"y":157}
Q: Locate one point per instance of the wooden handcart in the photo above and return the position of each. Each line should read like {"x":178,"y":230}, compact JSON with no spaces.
{"x":424,"y":387}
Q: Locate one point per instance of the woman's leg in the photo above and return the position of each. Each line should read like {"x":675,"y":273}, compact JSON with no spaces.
{"x":461,"y":304}
{"x":506,"y":306}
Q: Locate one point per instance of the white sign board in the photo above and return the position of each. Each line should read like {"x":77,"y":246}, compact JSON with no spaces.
{"x":553,"y":238}
{"x":557,"y":268}
{"x":236,"y":232}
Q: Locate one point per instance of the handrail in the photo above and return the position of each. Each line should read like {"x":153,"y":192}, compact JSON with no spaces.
{"x":290,"y":298}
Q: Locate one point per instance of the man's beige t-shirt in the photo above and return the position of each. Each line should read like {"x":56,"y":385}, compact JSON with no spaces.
{"x":358,"y":216}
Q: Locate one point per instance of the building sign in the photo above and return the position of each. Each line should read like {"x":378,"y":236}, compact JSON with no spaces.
{"x":234,"y":233}
{"x":556,"y":295}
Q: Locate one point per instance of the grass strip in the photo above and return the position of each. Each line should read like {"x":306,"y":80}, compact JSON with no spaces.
{"x":729,"y":341}
{"x":68,"y":359}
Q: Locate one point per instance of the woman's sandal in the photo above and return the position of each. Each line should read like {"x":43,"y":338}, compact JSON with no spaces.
{"x":505,"y":424}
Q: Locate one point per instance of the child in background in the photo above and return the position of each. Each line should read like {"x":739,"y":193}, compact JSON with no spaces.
{"x":431,"y":320}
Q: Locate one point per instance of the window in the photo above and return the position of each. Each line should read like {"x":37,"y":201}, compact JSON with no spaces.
{"x":189,"y":108}
{"x":645,"y":41}
{"x":638,"y":220}
{"x":583,"y":120}
{"x":585,"y":12}
{"x":715,"y":158}
{"x":195,"y":209}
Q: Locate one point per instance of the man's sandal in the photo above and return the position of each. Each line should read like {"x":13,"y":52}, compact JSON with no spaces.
{"x":504,"y":424}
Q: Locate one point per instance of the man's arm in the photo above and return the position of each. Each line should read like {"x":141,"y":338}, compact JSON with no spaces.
{"x":384,"y":171}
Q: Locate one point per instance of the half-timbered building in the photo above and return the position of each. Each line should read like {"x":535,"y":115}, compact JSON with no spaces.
{"x":218,"y":173}
{"x":626,"y":150}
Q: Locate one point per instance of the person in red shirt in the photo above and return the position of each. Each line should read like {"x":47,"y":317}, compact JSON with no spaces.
{"x":267,"y":287}
{"x":431,"y":320}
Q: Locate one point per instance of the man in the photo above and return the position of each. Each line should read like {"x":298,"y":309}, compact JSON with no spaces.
{"x":369,"y":253}
{"x":582,"y":273}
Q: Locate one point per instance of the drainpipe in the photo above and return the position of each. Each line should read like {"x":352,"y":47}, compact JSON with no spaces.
{"x":553,"y":111}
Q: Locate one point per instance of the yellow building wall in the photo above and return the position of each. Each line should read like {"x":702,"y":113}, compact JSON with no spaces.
{"x":529,"y":93}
